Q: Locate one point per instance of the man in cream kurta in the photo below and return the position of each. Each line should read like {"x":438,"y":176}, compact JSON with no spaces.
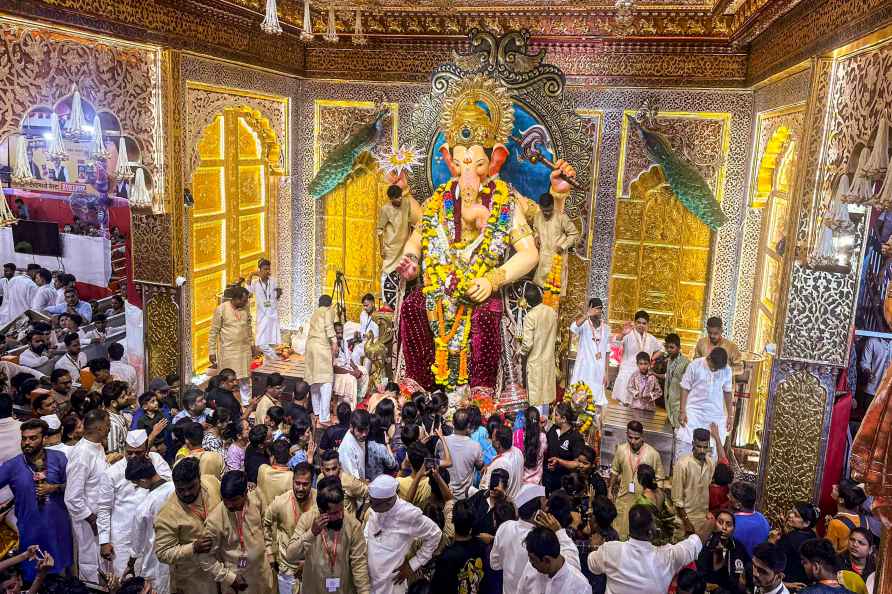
{"x":715,"y":338}
{"x":556,"y":233}
{"x":231,"y":339}
{"x":539,"y":337}
{"x":319,"y":359}
{"x":319,"y":531}
{"x":238,"y":555}
{"x":279,"y":521}
{"x":395,"y":220}
{"x":179,"y":528}
{"x":624,"y":485}
{"x":355,"y":490}
{"x":691,"y":477}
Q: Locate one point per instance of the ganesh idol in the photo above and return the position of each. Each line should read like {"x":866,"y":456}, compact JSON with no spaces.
{"x":473,"y":239}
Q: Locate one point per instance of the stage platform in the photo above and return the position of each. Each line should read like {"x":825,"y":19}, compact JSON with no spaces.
{"x":657,"y":431}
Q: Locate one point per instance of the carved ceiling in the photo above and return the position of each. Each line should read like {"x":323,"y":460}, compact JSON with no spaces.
{"x":647,"y":42}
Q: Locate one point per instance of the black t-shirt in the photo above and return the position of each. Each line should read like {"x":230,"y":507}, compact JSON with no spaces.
{"x":564,"y":446}
{"x":333,"y":436}
{"x":220,"y":398}
{"x":453,"y":564}
{"x":254,"y":459}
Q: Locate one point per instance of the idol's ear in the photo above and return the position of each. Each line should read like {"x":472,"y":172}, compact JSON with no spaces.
{"x":499,"y":156}
{"x":446,"y":153}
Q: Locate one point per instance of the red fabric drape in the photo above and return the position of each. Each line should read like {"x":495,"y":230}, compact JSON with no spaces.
{"x":834,"y":460}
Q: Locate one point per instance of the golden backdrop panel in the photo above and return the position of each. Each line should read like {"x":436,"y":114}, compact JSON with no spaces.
{"x":252,"y":186}
{"x":791,"y":466}
{"x":207,"y":289}
{"x":248,"y":141}
{"x":208,"y":250}
{"x":207,"y":185}
{"x":350,"y":211}
{"x":162,"y":333}
{"x":251,"y":234}
{"x":210,"y":145}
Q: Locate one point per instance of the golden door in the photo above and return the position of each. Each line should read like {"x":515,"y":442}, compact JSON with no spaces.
{"x":350,"y":244}
{"x":228,"y":222}
{"x":660,"y":261}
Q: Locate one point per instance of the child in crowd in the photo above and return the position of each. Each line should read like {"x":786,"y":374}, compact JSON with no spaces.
{"x":643,"y":387}
{"x":152,"y":416}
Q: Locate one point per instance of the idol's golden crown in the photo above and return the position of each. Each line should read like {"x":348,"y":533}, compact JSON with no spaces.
{"x":477,"y":110}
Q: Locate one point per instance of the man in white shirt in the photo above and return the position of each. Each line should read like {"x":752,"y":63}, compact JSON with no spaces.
{"x":351,"y":453}
{"x":705,"y":399}
{"x":86,"y":467}
{"x":876,"y":358}
{"x":392,"y":528}
{"x":119,"y":499}
{"x":8,"y":273}
{"x":636,"y":566}
{"x":17,"y":295}
{"x":593,"y":351}
{"x":154,"y":491}
{"x":73,"y":360}
{"x":769,"y":563}
{"x":35,"y":355}
{"x":45,"y":295}
{"x":548,"y":571}
{"x":466,"y":454}
{"x":508,"y":458}
{"x":120,"y":369}
{"x":505,"y":555}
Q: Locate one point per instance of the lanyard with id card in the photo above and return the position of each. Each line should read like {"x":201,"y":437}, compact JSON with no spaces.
{"x":243,"y":558}
{"x":332,"y":584}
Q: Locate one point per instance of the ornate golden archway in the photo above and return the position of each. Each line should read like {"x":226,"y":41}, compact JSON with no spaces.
{"x":229,"y":226}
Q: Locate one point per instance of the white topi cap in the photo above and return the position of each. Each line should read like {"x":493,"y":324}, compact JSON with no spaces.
{"x":383,"y":487}
{"x":136,"y":438}
{"x":52,"y":421}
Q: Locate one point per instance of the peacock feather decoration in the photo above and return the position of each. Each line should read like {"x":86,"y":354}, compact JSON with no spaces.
{"x":340,"y":161}
{"x":685,"y":180}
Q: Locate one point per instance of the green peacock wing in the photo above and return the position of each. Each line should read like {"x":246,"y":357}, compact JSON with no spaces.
{"x":339,"y":162}
{"x":685,"y":180}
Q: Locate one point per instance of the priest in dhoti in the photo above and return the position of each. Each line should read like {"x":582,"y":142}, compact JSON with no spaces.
{"x":593,"y":351}
{"x":266,"y":294}
{"x":322,"y":346}
{"x":180,"y":536}
{"x":539,"y":338}
{"x":556,"y":234}
{"x":231,"y":339}
{"x":237,"y":559}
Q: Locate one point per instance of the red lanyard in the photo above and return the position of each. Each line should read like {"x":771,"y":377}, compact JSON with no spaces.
{"x":239,"y":521}
{"x":297,"y":513}
{"x":634,"y":466}
{"x":204,"y":510}
{"x":332,"y":552}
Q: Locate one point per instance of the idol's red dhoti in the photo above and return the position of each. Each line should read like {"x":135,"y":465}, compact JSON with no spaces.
{"x":418,"y":341}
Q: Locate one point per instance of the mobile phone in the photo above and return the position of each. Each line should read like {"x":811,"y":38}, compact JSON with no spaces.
{"x":538,"y":515}
{"x":432,"y":463}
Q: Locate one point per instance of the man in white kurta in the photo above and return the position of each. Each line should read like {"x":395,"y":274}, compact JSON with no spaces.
{"x":266,"y":294}
{"x":351,"y":452}
{"x":539,"y":338}
{"x":231,"y":339}
{"x":118,"y":500}
{"x":86,"y":467}
{"x":45,"y":294}
{"x":705,"y":399}
{"x":17,"y":297}
{"x":637,"y":340}
{"x":156,"y":491}
{"x":548,"y":571}
{"x":593,"y":351}
{"x":319,"y":358}
{"x":392,"y":528}
{"x":508,"y":458}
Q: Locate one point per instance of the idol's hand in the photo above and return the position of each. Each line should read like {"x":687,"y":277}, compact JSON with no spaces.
{"x":562,"y":169}
{"x":480,"y":290}
{"x":408,"y":267}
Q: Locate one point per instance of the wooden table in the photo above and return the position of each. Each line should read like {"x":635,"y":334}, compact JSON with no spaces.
{"x":292,"y":370}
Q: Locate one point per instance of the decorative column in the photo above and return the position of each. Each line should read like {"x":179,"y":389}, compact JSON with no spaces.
{"x":157,"y":243}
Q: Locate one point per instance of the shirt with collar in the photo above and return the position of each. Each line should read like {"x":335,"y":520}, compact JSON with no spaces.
{"x":639,"y":567}
{"x":567,"y":580}
{"x":351,"y":454}
{"x":29,"y":358}
{"x":86,"y":467}
{"x":83,"y":308}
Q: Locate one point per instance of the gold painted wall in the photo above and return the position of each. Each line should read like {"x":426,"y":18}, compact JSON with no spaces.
{"x":350,"y":211}
{"x":661,"y":253}
{"x":228,"y":227}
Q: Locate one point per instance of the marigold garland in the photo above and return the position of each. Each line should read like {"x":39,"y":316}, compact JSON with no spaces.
{"x":552,"y":289}
{"x":447,"y":276}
